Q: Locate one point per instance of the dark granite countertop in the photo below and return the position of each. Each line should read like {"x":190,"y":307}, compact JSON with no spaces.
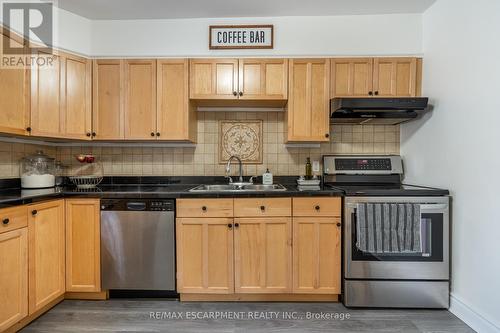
{"x":149,"y":188}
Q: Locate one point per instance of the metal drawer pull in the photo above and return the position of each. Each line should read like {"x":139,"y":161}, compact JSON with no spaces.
{"x":262,"y":208}
{"x":5,"y":221}
{"x":317,"y":207}
{"x":204,"y":208}
{"x":34,"y":212}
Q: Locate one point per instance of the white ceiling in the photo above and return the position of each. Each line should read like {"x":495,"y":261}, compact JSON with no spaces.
{"x":171,"y":9}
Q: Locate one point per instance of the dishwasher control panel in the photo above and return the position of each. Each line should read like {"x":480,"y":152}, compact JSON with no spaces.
{"x":137,"y":205}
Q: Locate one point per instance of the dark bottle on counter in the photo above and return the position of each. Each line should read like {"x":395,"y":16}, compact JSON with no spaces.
{"x":308,"y":168}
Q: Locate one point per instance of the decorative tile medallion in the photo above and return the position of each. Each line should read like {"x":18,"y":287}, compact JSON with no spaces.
{"x":241,"y":138}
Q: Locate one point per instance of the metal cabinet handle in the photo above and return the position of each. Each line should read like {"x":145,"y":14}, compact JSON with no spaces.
{"x":262,"y":208}
{"x":376,"y":92}
{"x":157,"y":133}
{"x":229,"y":225}
{"x":235,"y":93}
{"x":327,"y":135}
{"x":34,"y":212}
{"x":370,"y":93}
{"x":93,"y":134}
{"x":28,"y":129}
{"x":5,"y":221}
{"x":338,"y":224}
{"x":236,"y":225}
{"x":317,"y":207}
{"x":241,"y":93}
{"x":152,"y":134}
{"x":88,"y":134}
{"x":204,"y":208}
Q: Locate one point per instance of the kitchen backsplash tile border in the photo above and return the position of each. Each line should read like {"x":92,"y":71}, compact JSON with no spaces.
{"x":202,"y":159}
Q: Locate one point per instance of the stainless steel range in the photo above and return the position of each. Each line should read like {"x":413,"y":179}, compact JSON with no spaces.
{"x":395,"y":236}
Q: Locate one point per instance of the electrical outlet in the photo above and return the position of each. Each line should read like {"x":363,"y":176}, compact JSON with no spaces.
{"x":315,"y":166}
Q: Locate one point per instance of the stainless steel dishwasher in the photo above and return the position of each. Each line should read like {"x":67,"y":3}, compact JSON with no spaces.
{"x":138,"y":244}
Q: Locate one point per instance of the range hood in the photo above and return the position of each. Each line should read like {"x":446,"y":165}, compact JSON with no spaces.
{"x":376,"y":111}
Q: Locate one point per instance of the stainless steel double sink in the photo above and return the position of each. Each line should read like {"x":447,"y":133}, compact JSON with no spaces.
{"x":238,"y":188}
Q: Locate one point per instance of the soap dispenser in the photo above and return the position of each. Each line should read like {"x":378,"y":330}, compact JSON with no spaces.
{"x":267,"y":178}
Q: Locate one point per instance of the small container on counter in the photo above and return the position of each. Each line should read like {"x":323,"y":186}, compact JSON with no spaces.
{"x":38,"y":171}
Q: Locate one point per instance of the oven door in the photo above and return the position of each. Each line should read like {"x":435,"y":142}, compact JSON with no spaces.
{"x":432,"y":263}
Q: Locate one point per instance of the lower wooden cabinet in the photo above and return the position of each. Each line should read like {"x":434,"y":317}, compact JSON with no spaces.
{"x":205,"y":255}
{"x":46,"y":253}
{"x":263,"y":255}
{"x":83,"y":269}
{"x":13,"y":277}
{"x":316,"y":255}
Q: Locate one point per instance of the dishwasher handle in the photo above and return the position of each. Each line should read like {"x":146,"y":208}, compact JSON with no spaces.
{"x":136,"y":206}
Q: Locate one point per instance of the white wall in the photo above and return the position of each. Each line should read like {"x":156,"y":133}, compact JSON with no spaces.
{"x":458,"y":146}
{"x":396,"y":34}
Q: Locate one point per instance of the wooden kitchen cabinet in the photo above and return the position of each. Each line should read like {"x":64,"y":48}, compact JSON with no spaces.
{"x":140,"y":99}
{"x":76,"y":103}
{"x":205,"y":255}
{"x":46,"y":260}
{"x":176,"y":118}
{"x":308,"y":100}
{"x":107,"y":111}
{"x":15,"y":93}
{"x":376,"y":77}
{"x":351,"y":77}
{"x":13,"y":277}
{"x":213,"y":78}
{"x":263,"y":79}
{"x":46,"y":97}
{"x":83,"y":242}
{"x":263,"y":255}
{"x":395,"y":77}
{"x":316,"y":255}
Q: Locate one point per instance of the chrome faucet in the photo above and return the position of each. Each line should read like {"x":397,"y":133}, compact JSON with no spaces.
{"x":228,"y":169}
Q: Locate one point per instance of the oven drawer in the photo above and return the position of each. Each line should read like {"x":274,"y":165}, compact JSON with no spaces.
{"x":256,"y":207}
{"x":317,"y":207}
{"x":204,"y":207}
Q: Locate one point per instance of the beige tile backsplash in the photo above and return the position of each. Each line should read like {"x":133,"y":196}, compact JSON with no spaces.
{"x":203,"y":159}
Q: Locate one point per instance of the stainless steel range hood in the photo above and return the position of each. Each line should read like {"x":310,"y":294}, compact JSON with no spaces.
{"x":376,"y":111}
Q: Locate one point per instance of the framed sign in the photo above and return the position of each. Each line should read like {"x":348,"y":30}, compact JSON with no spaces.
{"x":241,"y":37}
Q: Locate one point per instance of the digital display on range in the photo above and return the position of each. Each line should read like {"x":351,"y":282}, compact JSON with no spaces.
{"x":363,"y":164}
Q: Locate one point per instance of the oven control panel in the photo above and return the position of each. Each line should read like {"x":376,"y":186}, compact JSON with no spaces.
{"x":362,"y":165}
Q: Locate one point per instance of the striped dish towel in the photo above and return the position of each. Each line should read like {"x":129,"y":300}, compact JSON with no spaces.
{"x":388,"y":227}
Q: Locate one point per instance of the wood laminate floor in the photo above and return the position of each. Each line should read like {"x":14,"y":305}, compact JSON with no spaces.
{"x":125,"y":315}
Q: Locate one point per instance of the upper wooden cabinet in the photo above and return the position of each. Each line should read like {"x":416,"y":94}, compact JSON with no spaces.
{"x":176,"y":118}
{"x":351,"y":77}
{"x":13,"y":277}
{"x":140,"y":99}
{"x":395,"y":77}
{"x":76,"y":105}
{"x":213,"y":79}
{"x":46,"y":97}
{"x":83,"y":258}
{"x":108,"y":116}
{"x":244,"y":79}
{"x":46,"y":253}
{"x":261,"y":79}
{"x":309,"y":100}
{"x":377,"y":77}
{"x":14,"y":94}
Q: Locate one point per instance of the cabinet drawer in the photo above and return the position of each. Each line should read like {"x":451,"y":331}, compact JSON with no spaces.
{"x":255,"y":207}
{"x":204,"y":207}
{"x":317,"y":207}
{"x":13,"y":218}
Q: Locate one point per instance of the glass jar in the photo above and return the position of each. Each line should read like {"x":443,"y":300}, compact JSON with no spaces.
{"x":37,"y":171}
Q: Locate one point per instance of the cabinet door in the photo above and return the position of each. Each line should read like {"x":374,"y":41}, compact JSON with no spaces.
{"x":76,"y":121}
{"x":13,"y":277}
{"x":140,"y":99}
{"x":395,"y":77}
{"x":46,"y":97}
{"x":205,"y":255}
{"x":46,"y":253}
{"x":213,"y":79}
{"x":263,"y":79}
{"x":309,"y":100}
{"x":83,"y":258}
{"x":316,"y":255}
{"x":263,"y":255}
{"x":351,"y":77}
{"x":14,"y":94}
{"x":176,"y":119}
{"x":107,"y":111}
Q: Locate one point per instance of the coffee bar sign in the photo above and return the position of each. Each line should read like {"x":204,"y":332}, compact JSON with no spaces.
{"x":241,"y":37}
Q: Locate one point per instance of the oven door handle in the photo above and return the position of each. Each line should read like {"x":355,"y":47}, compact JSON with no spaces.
{"x":433,"y":206}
